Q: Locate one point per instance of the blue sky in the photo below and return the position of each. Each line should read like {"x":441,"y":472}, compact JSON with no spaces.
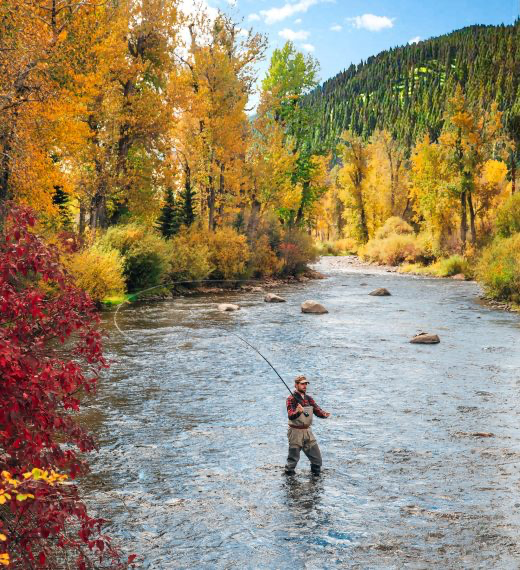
{"x":341,"y":32}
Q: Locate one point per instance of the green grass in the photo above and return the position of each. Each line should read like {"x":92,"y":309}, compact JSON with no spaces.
{"x":446,"y":267}
{"x":115,"y":300}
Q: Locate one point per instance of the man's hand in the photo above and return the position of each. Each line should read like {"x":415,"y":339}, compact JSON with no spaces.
{"x":299,"y":408}
{"x":327,"y":414}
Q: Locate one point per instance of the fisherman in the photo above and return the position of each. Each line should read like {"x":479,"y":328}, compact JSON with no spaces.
{"x":299,"y":433}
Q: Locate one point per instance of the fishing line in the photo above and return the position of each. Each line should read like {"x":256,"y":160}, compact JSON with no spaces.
{"x":132,"y":297}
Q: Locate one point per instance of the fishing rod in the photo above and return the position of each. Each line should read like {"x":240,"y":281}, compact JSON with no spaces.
{"x":276,"y":371}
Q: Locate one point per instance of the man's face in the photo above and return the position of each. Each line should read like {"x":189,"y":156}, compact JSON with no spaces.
{"x":301,"y":386}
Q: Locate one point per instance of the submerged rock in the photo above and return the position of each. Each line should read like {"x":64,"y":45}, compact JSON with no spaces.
{"x":314,"y":308}
{"x":382,"y":292}
{"x":425,"y":338}
{"x":224,"y":307}
{"x":272,"y":298}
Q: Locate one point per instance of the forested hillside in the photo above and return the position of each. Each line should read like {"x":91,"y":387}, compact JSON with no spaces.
{"x":405,"y":90}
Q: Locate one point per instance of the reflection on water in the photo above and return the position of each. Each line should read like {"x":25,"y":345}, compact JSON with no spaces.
{"x":193,"y":440}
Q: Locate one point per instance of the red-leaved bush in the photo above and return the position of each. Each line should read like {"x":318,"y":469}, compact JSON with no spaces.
{"x":50,"y":353}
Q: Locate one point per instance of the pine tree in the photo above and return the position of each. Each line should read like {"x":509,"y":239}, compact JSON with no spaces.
{"x":170,"y":220}
{"x":61,"y":199}
{"x":187,"y":200}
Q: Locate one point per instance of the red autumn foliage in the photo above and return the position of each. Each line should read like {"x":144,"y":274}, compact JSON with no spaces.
{"x":50,"y":353}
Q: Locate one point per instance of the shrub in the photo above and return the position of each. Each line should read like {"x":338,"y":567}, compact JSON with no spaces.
{"x":97,"y":271}
{"x":145,"y":254}
{"x":145,"y":263}
{"x":297,"y":249}
{"x":508,"y":217}
{"x":189,"y":259}
{"x":393,"y":250}
{"x":50,"y":354}
{"x":327,"y":248}
{"x":264,"y":262}
{"x":453,"y":266}
{"x":394,"y":226}
{"x":228,"y":253}
{"x":123,"y":238}
{"x":499,"y":269}
{"x":346,"y":245}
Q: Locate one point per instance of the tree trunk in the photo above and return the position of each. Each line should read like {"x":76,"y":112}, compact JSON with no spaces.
{"x":221,"y":194}
{"x":252,"y":223}
{"x":363,"y":220}
{"x":513,"y":175}
{"x":211,"y":205}
{"x":5,"y":171}
{"x":98,"y":211}
{"x":189,"y":215}
{"x":82,"y":221}
{"x":6,"y":162}
{"x":305,"y":192}
{"x":472,"y":219}
{"x":463,"y":220}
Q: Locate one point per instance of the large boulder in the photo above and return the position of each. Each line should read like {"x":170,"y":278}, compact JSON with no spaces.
{"x":272,"y":298}
{"x":313,"y":308}
{"x":224,"y":307}
{"x":425,"y":338}
{"x":382,"y":292}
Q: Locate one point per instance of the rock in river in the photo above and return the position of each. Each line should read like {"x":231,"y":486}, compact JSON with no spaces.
{"x":272,"y":298}
{"x":228,"y":307}
{"x":313,"y":307}
{"x":380,"y":293}
{"x":425,"y":338}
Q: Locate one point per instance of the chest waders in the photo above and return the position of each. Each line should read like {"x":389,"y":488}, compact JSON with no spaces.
{"x":300,"y":437}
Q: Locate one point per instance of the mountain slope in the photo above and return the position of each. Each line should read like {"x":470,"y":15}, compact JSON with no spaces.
{"x":405,"y":89}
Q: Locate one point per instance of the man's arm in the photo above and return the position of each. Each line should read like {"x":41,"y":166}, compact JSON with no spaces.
{"x":317,"y":410}
{"x":292,"y":404}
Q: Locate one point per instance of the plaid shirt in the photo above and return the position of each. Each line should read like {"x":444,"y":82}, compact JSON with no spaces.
{"x":305,"y":401}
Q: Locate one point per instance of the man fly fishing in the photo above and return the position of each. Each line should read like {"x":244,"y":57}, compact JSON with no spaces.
{"x":300,"y":410}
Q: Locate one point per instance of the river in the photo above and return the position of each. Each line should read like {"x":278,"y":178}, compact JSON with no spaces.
{"x":192,"y":429}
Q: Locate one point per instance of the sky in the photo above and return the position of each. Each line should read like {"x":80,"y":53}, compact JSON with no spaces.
{"x":341,"y":32}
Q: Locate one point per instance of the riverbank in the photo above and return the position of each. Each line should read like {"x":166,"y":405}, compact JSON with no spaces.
{"x":212,"y":287}
{"x":355,"y":264}
{"x":319,"y":270}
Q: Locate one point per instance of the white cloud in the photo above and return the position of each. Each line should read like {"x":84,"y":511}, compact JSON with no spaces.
{"x":274,"y":15}
{"x":293,"y":36}
{"x":298,"y":21}
{"x":253,"y":17}
{"x":308,"y":47}
{"x":415,"y":40}
{"x":188,"y":7}
{"x":232,"y":3}
{"x":336,"y":28}
{"x":371,"y":22}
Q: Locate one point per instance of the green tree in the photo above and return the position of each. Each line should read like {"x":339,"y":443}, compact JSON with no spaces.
{"x":171,"y":218}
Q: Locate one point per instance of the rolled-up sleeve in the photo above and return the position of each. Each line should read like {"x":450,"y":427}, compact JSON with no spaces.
{"x":291,"y":408}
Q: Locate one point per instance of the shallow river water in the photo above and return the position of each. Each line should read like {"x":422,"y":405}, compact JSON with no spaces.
{"x":192,"y":429}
